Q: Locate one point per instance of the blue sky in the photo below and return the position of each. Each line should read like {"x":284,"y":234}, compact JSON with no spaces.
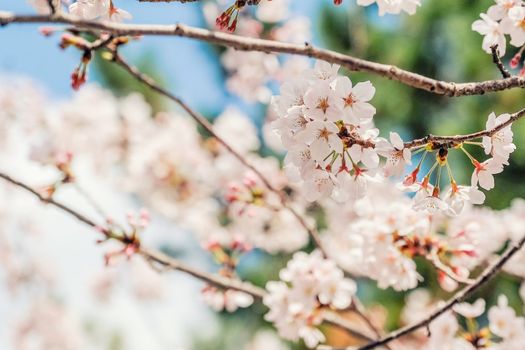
{"x":188,"y":66}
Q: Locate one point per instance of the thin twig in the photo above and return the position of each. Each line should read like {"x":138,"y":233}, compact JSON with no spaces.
{"x":253,"y":44}
{"x":497,"y":61}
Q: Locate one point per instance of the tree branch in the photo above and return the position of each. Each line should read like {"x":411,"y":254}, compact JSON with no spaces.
{"x":270,"y":46}
{"x":312,"y":231}
{"x":174,"y":264}
{"x":209,"y":128}
{"x":461,"y":296}
{"x":455,"y":140}
{"x":152,"y":255}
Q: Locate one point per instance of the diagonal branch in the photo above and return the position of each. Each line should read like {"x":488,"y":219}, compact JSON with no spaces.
{"x":461,"y":296}
{"x":174,"y":264}
{"x":312,"y":231}
{"x":152,"y":255}
{"x":209,"y":128}
{"x":271,"y":46}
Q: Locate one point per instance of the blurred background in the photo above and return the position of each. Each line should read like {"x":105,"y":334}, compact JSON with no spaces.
{"x":437,"y":42}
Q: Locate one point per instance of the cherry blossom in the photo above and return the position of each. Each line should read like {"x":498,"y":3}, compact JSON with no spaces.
{"x":504,"y":17}
{"x":484,"y":173}
{"x":500,"y":143}
{"x":356,"y":106}
{"x":308,"y":284}
{"x":393,"y":6}
{"x":98,"y":9}
{"x":493,"y":33}
{"x":334,"y":151}
{"x":229,"y":300}
{"x":470,"y":310}
{"x":397,"y":156}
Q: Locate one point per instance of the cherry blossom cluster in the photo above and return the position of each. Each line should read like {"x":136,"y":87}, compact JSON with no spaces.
{"x":228,"y":258}
{"x":309,"y":285}
{"x":467,"y":326}
{"x":380,"y":235}
{"x":503,"y":18}
{"x":325,"y":124}
{"x":497,"y":144}
{"x":130,"y":237}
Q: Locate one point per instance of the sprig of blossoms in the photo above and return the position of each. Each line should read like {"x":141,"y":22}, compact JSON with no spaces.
{"x":379,"y":237}
{"x":499,"y":145}
{"x":309,"y":285}
{"x":506,"y":17}
{"x":228,"y":257}
{"x":505,"y":330}
{"x":325,"y":123}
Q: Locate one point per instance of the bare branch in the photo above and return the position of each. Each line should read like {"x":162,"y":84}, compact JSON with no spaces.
{"x":252,"y":44}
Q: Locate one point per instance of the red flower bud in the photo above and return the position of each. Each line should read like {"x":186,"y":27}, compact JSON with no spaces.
{"x":515,"y":61}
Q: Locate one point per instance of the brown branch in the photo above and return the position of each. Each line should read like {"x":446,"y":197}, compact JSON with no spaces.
{"x":456,"y":140}
{"x":152,"y":255}
{"x":461,"y":296}
{"x":51,"y":4}
{"x":312,"y":231}
{"x":252,"y":44}
{"x":497,"y":61}
{"x":209,"y":128}
{"x":173,"y":264}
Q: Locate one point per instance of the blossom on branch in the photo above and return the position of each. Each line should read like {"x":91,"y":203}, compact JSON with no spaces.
{"x":310,"y":284}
